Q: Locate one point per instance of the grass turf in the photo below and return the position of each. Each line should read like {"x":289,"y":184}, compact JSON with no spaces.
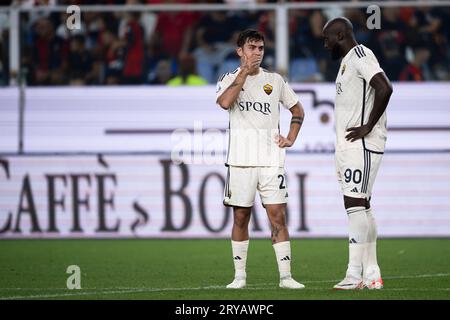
{"x":199,"y":269}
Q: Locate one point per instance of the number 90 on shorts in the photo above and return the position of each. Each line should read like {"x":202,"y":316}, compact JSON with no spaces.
{"x":356,"y":171}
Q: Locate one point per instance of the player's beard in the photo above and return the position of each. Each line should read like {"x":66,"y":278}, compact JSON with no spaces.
{"x":336,"y":52}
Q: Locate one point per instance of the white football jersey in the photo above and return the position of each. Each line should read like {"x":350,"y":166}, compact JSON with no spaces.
{"x":255,"y":117}
{"x":355,"y":98}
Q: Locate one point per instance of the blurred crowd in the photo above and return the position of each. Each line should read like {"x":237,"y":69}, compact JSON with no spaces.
{"x":195,"y":48}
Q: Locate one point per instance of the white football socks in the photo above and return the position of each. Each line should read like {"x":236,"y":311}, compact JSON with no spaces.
{"x":239,"y":249}
{"x":358,"y":238}
{"x":283,"y":255}
{"x":370,"y":263}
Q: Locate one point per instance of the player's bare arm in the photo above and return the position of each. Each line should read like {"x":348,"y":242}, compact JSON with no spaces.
{"x":249,"y":65}
{"x":298,"y":114}
{"x":383,"y":92}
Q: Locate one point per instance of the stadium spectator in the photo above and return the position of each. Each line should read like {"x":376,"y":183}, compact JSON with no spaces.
{"x":391,"y":59}
{"x":417,"y":69}
{"x":80,"y":62}
{"x":429,"y":23}
{"x":50,"y":54}
{"x":393,"y":29}
{"x":306,"y":52}
{"x":136,"y":42}
{"x":112,"y":52}
{"x":267,"y":25}
{"x":174,"y":30}
{"x":133,"y":68}
{"x":214,"y":38}
{"x":162,"y":73}
{"x":187,"y":75}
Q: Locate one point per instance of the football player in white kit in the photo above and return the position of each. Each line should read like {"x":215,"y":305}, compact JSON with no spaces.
{"x":362,"y":95}
{"x":256,"y":152}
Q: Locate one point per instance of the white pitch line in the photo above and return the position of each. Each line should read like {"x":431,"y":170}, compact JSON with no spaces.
{"x":60,"y":295}
{"x":263,"y":286}
{"x":432,"y":275}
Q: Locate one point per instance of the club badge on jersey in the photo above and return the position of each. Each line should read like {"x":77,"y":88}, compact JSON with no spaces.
{"x":268,"y":89}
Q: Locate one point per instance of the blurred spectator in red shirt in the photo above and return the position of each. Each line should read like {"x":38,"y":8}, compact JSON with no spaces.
{"x":417,"y":69}
{"x":174,"y":29}
{"x":112,"y":52}
{"x":50,"y":54}
{"x":133,"y":68}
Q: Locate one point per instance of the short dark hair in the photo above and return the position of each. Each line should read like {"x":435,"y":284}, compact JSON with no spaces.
{"x":249,"y":35}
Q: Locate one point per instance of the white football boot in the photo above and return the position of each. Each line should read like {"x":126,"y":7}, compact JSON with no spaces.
{"x":289,"y":283}
{"x":374,"y":284}
{"x":372,"y":278}
{"x":350,"y":283}
{"x":238,"y":283}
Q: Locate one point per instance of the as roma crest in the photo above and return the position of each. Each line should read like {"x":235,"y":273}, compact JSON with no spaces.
{"x":268,"y":89}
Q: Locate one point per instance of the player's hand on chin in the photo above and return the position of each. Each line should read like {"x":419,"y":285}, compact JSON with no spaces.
{"x":250,"y":64}
{"x":283,"y":142}
{"x":357,"y":132}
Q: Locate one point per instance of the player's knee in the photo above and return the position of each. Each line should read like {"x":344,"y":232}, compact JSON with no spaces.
{"x":241,"y":223}
{"x":241,"y":220}
{"x":278,"y":219}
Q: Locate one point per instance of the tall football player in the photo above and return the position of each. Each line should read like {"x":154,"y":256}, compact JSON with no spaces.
{"x":362,"y":95}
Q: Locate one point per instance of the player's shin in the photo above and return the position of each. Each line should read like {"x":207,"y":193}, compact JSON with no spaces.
{"x":283,"y":255}
{"x":239,"y":249}
{"x":370,"y":263}
{"x":358,"y":238}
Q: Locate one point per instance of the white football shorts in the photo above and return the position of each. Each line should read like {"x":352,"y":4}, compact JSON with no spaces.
{"x":243,"y":182}
{"x":356,"y":171}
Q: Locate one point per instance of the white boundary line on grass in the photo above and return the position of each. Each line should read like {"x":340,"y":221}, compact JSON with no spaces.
{"x":264,"y":286}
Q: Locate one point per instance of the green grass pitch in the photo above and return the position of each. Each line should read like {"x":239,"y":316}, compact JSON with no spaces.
{"x":200,"y":269}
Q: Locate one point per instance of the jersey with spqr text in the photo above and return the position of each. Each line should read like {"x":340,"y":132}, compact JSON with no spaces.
{"x":255,"y":117}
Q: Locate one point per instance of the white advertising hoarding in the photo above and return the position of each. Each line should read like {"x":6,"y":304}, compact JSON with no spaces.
{"x":149,"y":196}
{"x":131,"y":119}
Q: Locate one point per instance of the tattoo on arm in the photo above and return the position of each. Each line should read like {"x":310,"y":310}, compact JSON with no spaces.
{"x":235,"y":83}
